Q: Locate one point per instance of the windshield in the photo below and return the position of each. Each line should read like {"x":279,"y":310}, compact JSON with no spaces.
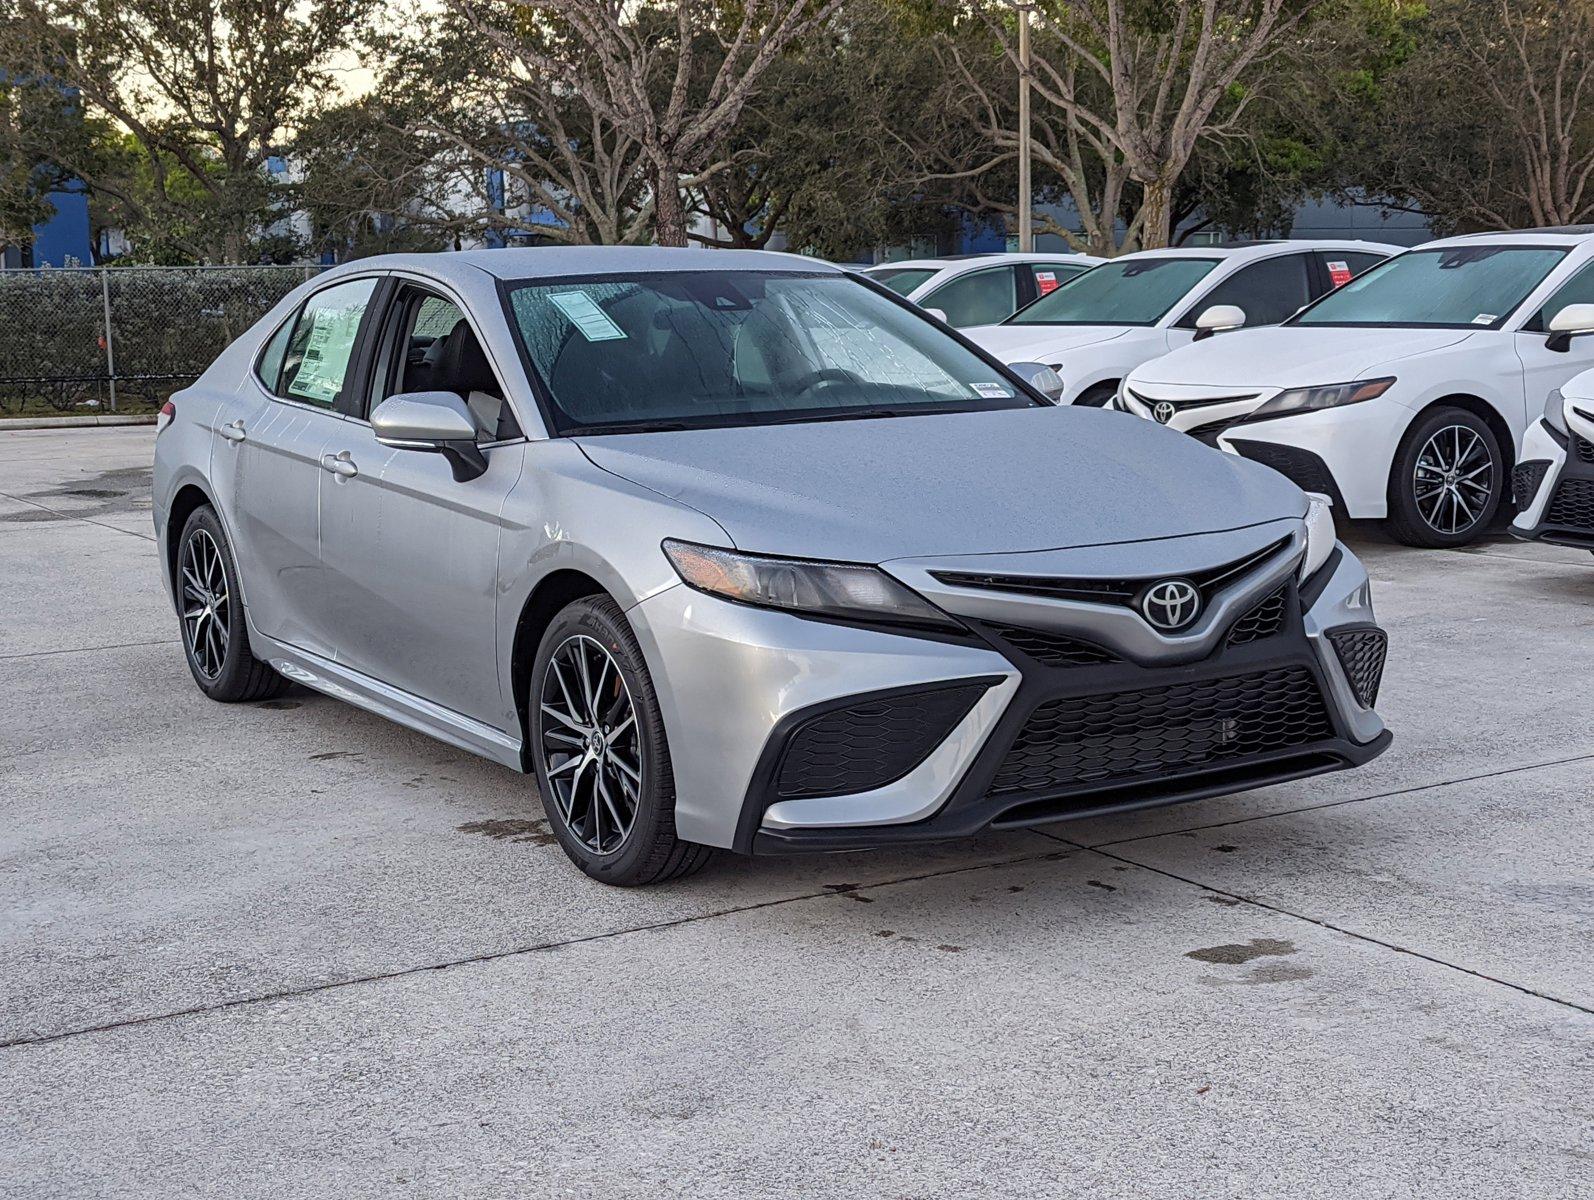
{"x":701,"y":348}
{"x":1133,"y":291}
{"x":901,"y":280}
{"x":1452,"y":287}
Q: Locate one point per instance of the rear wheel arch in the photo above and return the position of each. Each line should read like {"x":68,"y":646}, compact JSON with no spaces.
{"x":189,"y":498}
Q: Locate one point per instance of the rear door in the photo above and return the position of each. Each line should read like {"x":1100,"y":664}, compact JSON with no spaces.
{"x":1543,"y":369}
{"x":410,"y":554}
{"x":276,"y":463}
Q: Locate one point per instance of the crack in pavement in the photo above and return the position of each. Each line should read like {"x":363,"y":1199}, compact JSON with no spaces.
{"x":66,"y":516}
{"x":1306,"y":808}
{"x":89,"y":649}
{"x":1329,"y":925}
{"x":515,"y":952}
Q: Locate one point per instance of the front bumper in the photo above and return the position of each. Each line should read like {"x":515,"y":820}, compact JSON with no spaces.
{"x":763,"y":709}
{"x":1553,"y":485}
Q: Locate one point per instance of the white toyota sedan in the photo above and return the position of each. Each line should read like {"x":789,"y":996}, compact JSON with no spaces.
{"x":979,"y":289}
{"x":1404,"y":395}
{"x":1096,"y":329}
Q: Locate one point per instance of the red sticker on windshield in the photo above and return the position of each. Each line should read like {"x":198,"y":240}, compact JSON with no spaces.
{"x":1339,"y":273}
{"x":1045,"y":281}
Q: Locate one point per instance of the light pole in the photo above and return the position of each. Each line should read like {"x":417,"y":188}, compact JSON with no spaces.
{"x":1026,"y":228}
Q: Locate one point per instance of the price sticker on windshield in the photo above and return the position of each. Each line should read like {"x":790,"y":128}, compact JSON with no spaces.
{"x":1339,"y":273}
{"x":583,"y":312}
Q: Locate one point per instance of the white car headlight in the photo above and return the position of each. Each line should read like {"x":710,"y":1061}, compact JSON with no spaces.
{"x":1555,"y":410}
{"x":1321,"y":536}
{"x":1332,"y":395}
{"x":843,"y":591}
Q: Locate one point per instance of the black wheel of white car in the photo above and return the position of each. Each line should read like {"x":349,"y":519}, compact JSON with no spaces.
{"x":1447,"y":480}
{"x":599,"y":751}
{"x":210,"y":609}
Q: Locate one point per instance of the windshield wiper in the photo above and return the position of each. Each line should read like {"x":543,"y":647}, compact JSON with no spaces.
{"x":838,"y":414}
{"x":628,"y":427}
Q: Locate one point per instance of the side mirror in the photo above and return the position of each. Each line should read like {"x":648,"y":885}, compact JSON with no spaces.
{"x":938,"y":313}
{"x":1220,"y":318}
{"x":438,"y":422}
{"x":1572,"y":320}
{"x":1042,"y":378}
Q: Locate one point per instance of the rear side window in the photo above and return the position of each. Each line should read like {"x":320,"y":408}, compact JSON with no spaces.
{"x":1267,"y":292}
{"x":1048,"y":276}
{"x":1341,"y":266}
{"x":978,"y":298}
{"x":316,"y":363}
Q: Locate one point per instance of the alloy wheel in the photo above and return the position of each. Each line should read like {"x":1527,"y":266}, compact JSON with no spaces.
{"x":207,"y":604}
{"x":591,"y":746}
{"x":1453,"y":479}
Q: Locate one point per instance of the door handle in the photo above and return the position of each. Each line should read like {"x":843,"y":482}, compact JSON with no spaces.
{"x":340,"y":464}
{"x":233,"y":431}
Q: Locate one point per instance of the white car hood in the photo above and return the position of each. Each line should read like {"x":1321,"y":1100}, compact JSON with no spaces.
{"x":1039,"y":343}
{"x":1293,"y":356}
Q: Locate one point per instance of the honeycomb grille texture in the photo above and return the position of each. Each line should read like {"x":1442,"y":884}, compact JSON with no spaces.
{"x":1585,"y":448}
{"x":1055,"y":650}
{"x":1361,"y":652}
{"x":870,"y":744}
{"x":1573,"y":505}
{"x":1263,"y":621}
{"x":1134,"y":735}
{"x":1525,"y":480}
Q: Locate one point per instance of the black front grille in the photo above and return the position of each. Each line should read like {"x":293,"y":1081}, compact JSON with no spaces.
{"x":872,"y":743}
{"x":1573,"y":505}
{"x":1105,"y":591}
{"x":1525,"y":480}
{"x":1361,"y":652}
{"x":1055,"y":649}
{"x":1082,"y":740}
{"x":1263,"y":620}
{"x":1209,"y":432}
{"x":1301,"y":467}
{"x":1584,"y":447}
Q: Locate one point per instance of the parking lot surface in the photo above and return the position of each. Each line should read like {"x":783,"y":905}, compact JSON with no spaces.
{"x":290,"y":949}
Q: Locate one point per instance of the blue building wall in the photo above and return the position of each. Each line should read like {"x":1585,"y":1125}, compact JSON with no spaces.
{"x":66,"y":239}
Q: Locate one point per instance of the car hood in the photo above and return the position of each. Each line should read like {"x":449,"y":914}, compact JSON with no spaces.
{"x":1004,"y":481}
{"x":1039,"y":343}
{"x":1293,"y":356}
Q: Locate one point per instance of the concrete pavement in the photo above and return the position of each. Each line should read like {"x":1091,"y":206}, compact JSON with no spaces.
{"x":291,"y":950}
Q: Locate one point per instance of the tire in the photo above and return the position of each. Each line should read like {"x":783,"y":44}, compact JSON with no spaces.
{"x":1098,"y":396}
{"x":605,"y":781}
{"x":1459,"y":513}
{"x":216,"y":641}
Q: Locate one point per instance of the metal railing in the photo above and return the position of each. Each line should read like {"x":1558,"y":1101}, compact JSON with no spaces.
{"x":106,"y":338}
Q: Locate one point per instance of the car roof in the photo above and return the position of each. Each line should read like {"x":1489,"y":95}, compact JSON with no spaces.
{"x":952,"y":260}
{"x":1554,"y":235}
{"x":1267,"y":248}
{"x":534,"y":262}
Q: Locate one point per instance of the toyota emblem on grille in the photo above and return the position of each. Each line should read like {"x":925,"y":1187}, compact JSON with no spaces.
{"x":1163,"y":412}
{"x":1171,"y":604}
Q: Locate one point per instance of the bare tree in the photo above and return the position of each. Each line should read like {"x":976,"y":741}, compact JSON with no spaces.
{"x":205,"y":90}
{"x":1125,"y":90}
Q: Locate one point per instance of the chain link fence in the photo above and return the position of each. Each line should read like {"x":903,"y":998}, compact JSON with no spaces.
{"x":122,"y":339}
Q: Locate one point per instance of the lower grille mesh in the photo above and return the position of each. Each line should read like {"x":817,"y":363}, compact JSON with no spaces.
{"x":1263,"y":621}
{"x":1134,"y":735}
{"x":1573,"y":505}
{"x":1056,"y":650}
{"x":872,"y":743}
{"x":1525,"y":481}
{"x":1361,"y":652}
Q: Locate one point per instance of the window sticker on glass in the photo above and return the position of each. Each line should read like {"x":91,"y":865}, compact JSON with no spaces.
{"x":992,"y":391}
{"x":1485,"y":318}
{"x":326,"y":354}
{"x":1045,"y":281}
{"x":586,"y":316}
{"x":1339,"y":273}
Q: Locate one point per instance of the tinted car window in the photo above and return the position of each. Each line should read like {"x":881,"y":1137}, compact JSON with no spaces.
{"x":1267,"y":292}
{"x":1577,"y":290}
{"x":318,"y":353}
{"x":979,"y":298}
{"x":1135,"y":291}
{"x":1341,"y":266}
{"x":1050,"y":276}
{"x":901,"y":280}
{"x":1451,"y":287}
{"x":740,"y":348}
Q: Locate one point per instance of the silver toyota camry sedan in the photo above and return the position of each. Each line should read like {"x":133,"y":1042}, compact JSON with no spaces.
{"x":737,"y":550}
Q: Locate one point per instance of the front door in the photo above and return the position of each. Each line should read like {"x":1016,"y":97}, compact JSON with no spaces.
{"x":409,"y":554}
{"x":1543,"y":369}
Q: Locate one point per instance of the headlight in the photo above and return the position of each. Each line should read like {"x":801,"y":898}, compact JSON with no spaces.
{"x":847,"y":591}
{"x":1332,"y":395}
{"x":1555,"y":410}
{"x":1320,"y":533}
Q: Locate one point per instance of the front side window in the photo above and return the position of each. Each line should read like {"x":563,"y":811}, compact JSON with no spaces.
{"x":979,"y":298}
{"x":901,"y":280}
{"x":1452,"y":287}
{"x":1133,"y":291}
{"x":702,"y":348}
{"x":1266,"y":292}
{"x":269,"y":367}
{"x":1577,"y":290}
{"x":316,"y":363}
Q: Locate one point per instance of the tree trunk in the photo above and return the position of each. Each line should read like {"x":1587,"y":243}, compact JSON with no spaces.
{"x":669,"y":214}
{"x":1156,"y":214}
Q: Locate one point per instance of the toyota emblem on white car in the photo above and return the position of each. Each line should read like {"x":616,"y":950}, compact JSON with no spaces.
{"x":1163,"y":412}
{"x":1171,"y":604}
